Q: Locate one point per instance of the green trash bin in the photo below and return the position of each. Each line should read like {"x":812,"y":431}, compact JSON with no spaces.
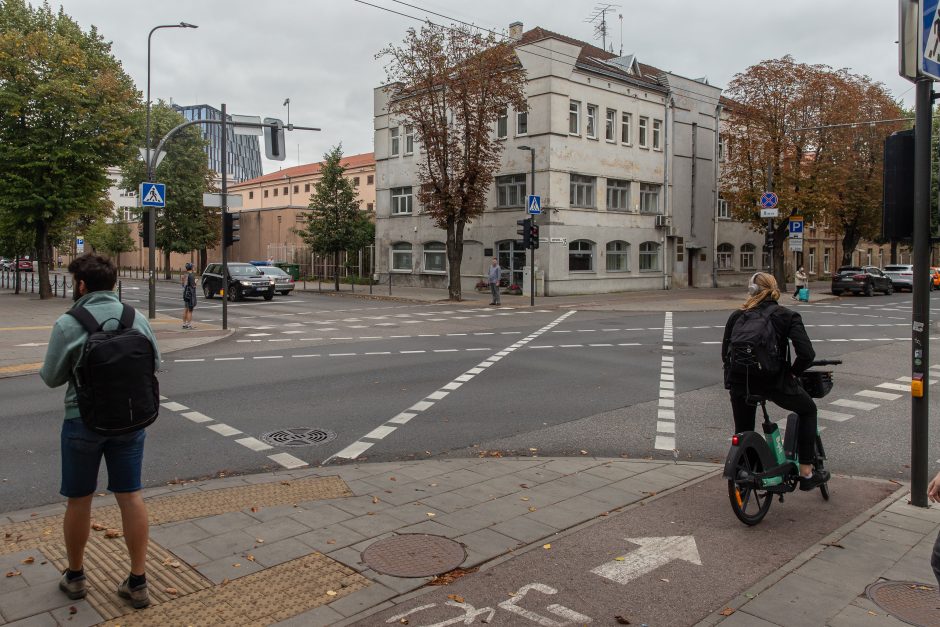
{"x":292,"y":269}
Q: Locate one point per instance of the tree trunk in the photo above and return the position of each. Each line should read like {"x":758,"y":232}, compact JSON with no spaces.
{"x":850,"y":239}
{"x":894,"y":251}
{"x":166,"y":265}
{"x":43,"y":253}
{"x":454,"y":258}
{"x":203,"y":259}
{"x":780,"y":267}
{"x":336,"y":268}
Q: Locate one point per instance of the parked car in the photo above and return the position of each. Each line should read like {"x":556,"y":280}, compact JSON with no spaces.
{"x":25,"y":265}
{"x":283,"y":282}
{"x":244,"y":280}
{"x":6,"y":264}
{"x":934,"y":279}
{"x":861,"y":280}
{"x":901,"y":275}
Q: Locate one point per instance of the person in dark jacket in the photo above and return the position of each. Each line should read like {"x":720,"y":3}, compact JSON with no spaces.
{"x":785,"y":389}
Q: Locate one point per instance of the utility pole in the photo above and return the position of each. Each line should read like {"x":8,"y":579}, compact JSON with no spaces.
{"x":770,"y":221}
{"x":225,"y":279}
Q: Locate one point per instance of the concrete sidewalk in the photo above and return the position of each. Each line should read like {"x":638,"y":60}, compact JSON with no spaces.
{"x":289,"y":546}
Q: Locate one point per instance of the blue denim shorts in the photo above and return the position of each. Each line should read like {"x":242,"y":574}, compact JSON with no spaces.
{"x":82,"y":450}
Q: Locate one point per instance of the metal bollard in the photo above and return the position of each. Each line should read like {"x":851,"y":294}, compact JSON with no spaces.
{"x":64,"y":285}
{"x":55,"y":286}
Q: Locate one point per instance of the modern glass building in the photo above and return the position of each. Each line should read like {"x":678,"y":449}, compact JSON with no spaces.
{"x":244,"y":155}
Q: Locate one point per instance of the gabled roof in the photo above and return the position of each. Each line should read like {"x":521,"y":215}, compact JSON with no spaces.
{"x":309,"y":169}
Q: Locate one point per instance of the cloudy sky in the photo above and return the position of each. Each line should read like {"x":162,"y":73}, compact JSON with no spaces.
{"x":321,"y":53}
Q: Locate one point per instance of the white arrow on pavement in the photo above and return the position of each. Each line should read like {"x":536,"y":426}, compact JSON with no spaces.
{"x":32,"y":344}
{"x":653,"y":553}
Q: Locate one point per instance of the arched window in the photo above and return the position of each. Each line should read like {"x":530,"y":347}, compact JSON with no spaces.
{"x":581,"y":256}
{"x":649,"y":257}
{"x":725,"y":257}
{"x":618,"y":256}
{"x":748,"y":256}
{"x":401,"y":257}
{"x":435,"y":257}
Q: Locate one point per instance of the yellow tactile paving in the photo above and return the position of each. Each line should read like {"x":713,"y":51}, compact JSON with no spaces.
{"x":18,"y":368}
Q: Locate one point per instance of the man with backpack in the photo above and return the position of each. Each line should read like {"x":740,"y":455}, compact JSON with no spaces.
{"x":108,"y":355}
{"x":755,"y":351}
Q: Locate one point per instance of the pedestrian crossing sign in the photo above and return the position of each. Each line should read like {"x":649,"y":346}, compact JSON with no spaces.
{"x":534,"y":205}
{"x":153,"y":194}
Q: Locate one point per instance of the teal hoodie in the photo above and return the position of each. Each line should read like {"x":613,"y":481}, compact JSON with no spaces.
{"x":68,"y":338}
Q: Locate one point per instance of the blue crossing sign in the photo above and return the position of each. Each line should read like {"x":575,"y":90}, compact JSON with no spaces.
{"x":153,"y":195}
{"x":534,"y":205}
{"x":929,"y":47}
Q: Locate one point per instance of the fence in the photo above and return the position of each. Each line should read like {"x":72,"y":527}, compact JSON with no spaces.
{"x":28,"y":283}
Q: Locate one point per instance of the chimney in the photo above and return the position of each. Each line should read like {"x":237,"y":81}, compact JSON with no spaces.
{"x":515,"y":31}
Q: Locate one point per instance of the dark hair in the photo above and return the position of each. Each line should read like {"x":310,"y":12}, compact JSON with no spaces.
{"x":97,"y":271}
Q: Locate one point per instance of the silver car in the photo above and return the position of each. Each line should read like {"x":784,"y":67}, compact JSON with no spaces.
{"x":283,"y":282}
{"x":901,"y":275}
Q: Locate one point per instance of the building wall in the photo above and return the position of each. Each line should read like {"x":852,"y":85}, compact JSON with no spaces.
{"x":244,"y":153}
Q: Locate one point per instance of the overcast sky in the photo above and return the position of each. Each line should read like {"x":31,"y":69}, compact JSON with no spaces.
{"x":321,"y":53}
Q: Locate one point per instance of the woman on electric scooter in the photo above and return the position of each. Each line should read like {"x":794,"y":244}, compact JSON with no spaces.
{"x":784,"y":390}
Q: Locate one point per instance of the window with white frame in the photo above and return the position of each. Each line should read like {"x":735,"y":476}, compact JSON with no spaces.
{"x":725,"y":256}
{"x":435,"y":257}
{"x":610,"y":126}
{"x":869,"y":257}
{"x":522,"y":123}
{"x":581,"y":256}
{"x":618,"y":195}
{"x":409,"y":139}
{"x":402,"y":200}
{"x":826,"y":256}
{"x":510,"y":190}
{"x":502,"y":125}
{"x":395,"y":141}
{"x":649,"y":197}
{"x":722,"y":149}
{"x":748,"y":256}
{"x":649,"y":257}
{"x":574,"y":118}
{"x":401,"y":257}
{"x":618,"y":256}
{"x":592,"y":121}
{"x":812,"y":259}
{"x":723,"y":210}
{"x":582,"y":191}
{"x":626,"y":128}
{"x":657,"y":134}
{"x":644,"y":127}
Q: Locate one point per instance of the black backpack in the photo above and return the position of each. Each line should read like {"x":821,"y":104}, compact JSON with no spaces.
{"x":754,"y":349}
{"x":117,"y":387}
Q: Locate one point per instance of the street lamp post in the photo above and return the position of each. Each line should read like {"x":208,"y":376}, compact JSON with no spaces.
{"x":531,"y":250}
{"x":151,"y":215}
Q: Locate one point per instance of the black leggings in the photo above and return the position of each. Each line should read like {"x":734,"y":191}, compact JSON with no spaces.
{"x":796,"y":401}
{"x":797,"y":292}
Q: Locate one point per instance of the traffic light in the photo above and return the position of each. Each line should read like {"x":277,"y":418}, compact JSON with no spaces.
{"x":145,"y":228}
{"x":534,"y":235}
{"x":274,"y":148}
{"x":230,"y":228}
{"x":525,"y":232}
{"x":897,"y":220}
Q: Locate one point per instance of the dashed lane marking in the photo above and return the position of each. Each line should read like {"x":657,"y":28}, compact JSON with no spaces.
{"x":884,"y":396}
{"x":665,"y":424}
{"x":845,"y":402}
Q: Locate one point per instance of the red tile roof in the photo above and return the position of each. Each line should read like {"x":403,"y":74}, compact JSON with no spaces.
{"x":308,"y":169}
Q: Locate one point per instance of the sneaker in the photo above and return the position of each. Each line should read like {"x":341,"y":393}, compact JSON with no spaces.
{"x":74,"y":589}
{"x":815,"y":480}
{"x":139,"y":597}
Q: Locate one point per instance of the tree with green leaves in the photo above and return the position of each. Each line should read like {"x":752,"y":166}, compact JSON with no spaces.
{"x":334,"y":223}
{"x":111,"y":238}
{"x":66,"y":110}
{"x":184,"y":225}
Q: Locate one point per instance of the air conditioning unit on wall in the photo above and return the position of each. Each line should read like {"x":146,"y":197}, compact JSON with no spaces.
{"x":663,"y":221}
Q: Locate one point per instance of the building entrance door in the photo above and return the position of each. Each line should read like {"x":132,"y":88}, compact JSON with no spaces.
{"x":512,"y":260}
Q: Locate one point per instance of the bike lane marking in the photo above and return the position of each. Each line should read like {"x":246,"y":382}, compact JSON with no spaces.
{"x":666,"y":415}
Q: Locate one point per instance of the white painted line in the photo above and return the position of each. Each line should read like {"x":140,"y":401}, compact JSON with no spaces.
{"x":224,"y":429}
{"x":668,"y":414}
{"x":379,"y":432}
{"x":254,"y":444}
{"x":287,"y":460}
{"x":354,"y":450}
{"x":380,"y":353}
{"x":229,"y":358}
{"x":464,"y":378}
{"x":630,"y":344}
{"x":667,"y":402}
{"x":269,"y":357}
{"x":665,"y":443}
{"x":667,"y":394}
{"x":833,"y":415}
{"x":844,"y":402}
{"x":665,"y":426}
{"x":420,"y":406}
{"x":668,"y":385}
{"x":884,"y":396}
{"x":342,"y":354}
{"x":195,"y":416}
{"x":180,"y":361}
{"x":436,"y":396}
{"x":403,"y":418}
{"x":171,"y":406}
{"x":476,"y":370}
{"x":478,"y":349}
{"x":298,"y":356}
{"x":410,"y":352}
{"x":445,"y":350}
{"x":453,"y":385}
{"x":894,"y":386}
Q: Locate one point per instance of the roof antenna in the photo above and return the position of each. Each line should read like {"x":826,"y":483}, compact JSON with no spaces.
{"x":599,"y":19}
{"x":621,"y":33}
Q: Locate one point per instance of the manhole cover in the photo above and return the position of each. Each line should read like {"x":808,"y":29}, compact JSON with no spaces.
{"x":414,"y":555}
{"x":908,"y":601}
{"x":299,"y":436}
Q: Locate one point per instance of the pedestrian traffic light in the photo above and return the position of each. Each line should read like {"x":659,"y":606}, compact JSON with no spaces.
{"x":145,"y":228}
{"x":274,"y":148}
{"x":533,"y":235}
{"x":525,"y":231}
{"x":230,"y":228}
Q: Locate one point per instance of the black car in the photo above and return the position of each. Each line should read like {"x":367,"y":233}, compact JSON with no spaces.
{"x":861,"y":280}
{"x":244,"y":280}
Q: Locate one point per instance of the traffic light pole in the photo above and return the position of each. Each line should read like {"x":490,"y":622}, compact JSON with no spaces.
{"x":225,"y":280}
{"x":532,"y":250}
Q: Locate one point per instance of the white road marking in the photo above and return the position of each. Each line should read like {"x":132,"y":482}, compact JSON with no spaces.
{"x":403,"y":418}
{"x":195,"y":416}
{"x":171,"y":406}
{"x":884,"y":396}
{"x":354,"y":450}
{"x":180,"y":361}
{"x":287,"y":460}
{"x":269,"y":357}
{"x":228,"y":358}
{"x":894,"y":386}
{"x":665,"y":425}
{"x":845,"y":402}
{"x":653,"y":553}
{"x":379,"y":432}
{"x":254,"y":444}
{"x":224,"y":429}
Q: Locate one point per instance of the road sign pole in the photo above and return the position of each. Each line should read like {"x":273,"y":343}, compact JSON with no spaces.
{"x":532,"y":250}
{"x":225,"y":280}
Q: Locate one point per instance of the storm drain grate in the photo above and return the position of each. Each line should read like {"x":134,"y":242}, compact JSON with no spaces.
{"x":908,"y":601}
{"x":298,"y":436}
{"x":414,"y":555}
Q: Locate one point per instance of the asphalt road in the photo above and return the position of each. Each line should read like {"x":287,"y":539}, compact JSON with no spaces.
{"x":402,"y":381}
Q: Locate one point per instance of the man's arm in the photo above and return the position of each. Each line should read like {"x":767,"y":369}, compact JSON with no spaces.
{"x":56,"y":367}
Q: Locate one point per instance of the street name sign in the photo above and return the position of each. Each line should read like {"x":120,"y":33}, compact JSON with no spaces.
{"x":153,"y":194}
{"x":215,"y":200}
{"x":534,"y":205}
{"x":769,"y":213}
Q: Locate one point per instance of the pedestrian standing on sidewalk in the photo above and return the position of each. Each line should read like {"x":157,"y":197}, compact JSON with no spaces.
{"x":82,"y":448}
{"x":493,"y":279}
{"x":933,"y":493}
{"x":800,"y":282}
{"x":189,"y":297}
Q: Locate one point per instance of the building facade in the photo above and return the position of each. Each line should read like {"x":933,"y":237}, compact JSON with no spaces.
{"x":244,"y":154}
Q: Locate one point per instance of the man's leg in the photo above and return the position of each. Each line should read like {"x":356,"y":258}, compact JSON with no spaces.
{"x":76,"y":527}
{"x":136,"y":528}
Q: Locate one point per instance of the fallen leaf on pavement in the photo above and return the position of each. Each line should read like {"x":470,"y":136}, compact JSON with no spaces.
{"x":619,"y":559}
{"x":403,"y":621}
{"x":98,"y":526}
{"x":728,"y":611}
{"x":546,"y":546}
{"x":531,"y":509}
{"x":870,"y":613}
{"x":73,"y":610}
{"x":375,"y":500}
{"x":455,"y":597}
{"x":331,"y":541}
{"x":14,"y":573}
{"x":225,"y":581}
{"x":833,"y":544}
{"x":250,"y":557}
{"x":285,"y":483}
{"x":236,"y":565}
{"x":29,"y":560}
{"x":621,"y":620}
{"x":259,"y":540}
{"x":331,"y":593}
{"x":113,"y":533}
{"x":524,"y":498}
{"x":171,"y":590}
{"x":524,"y":485}
{"x":392,"y":479}
{"x":253,"y":509}
{"x":171,"y":563}
{"x":432,"y":514}
{"x":433,"y":485}
{"x":663,"y":579}
{"x":583,"y":452}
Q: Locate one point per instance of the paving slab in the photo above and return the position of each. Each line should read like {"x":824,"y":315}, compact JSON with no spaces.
{"x":330,"y":538}
{"x":277,"y":529}
{"x":280,"y":551}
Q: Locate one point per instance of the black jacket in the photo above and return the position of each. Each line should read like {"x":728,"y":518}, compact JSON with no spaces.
{"x":790,"y":329}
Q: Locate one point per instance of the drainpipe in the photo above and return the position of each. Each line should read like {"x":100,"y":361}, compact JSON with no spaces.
{"x":715,"y":211}
{"x":667,"y":258}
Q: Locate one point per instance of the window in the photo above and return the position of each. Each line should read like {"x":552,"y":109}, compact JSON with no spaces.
{"x":370,"y":206}
{"x":402,"y":199}
{"x":868,"y":255}
{"x":644,"y":124}
{"x":574,"y":118}
{"x":723,"y":211}
{"x":251,"y":195}
{"x":401,"y":257}
{"x":747,"y":256}
{"x":649,"y":257}
{"x":435,"y":257}
{"x":812,"y":259}
{"x":826,"y":256}
{"x":649,"y":198}
{"x":680,"y":249}
{"x":618,"y":195}
{"x":265,"y":193}
{"x":592,"y":121}
{"x":510,"y":190}
{"x":725,"y":257}
{"x":610,"y":127}
{"x":296,"y":189}
{"x":582,"y":191}
{"x":580,"y":256}
{"x":502,"y":125}
{"x":409,"y":139}
{"x":626,"y":124}
{"x":395,"y":141}
{"x":275,"y":191}
{"x":657,"y":134}
{"x":370,"y":180}
{"x":522,"y":123}
{"x":306,"y":187}
{"x":618,"y":257}
{"x":355,"y":181}
{"x":722,"y":149}
{"x":286,"y":190}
